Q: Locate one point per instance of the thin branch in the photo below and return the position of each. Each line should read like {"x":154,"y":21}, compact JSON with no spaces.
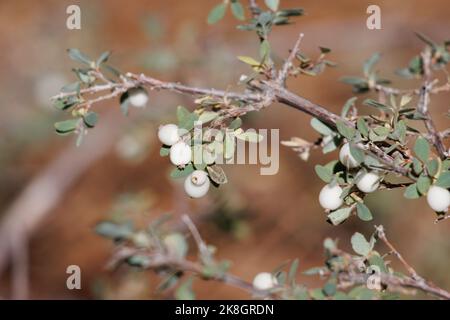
{"x":411,"y":271}
{"x":424,"y":101}
{"x":284,"y":72}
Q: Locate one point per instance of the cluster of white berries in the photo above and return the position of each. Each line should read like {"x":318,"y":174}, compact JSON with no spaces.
{"x":367,"y":182}
{"x":264,"y":281}
{"x":438,"y":198}
{"x":197,"y":183}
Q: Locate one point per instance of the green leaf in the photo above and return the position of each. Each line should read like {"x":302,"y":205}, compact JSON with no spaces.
{"x":176,"y":245}
{"x":315,"y":270}
{"x":360,"y":245}
{"x":321,"y":127}
{"x":186,"y":119}
{"x":114,"y":231}
{"x":433,"y":167}
{"x":443,"y":180}
{"x":357,"y":153}
{"x":164,"y":151}
{"x":264,"y":50}
{"x":103,"y":58}
{"x":423,"y":184}
{"x":422,"y":149}
{"x":362,"y":127}
{"x":329,"y":289}
{"x":250,"y":136}
{"x":78,"y":56}
{"x":217,"y":174}
{"x":71,"y":87}
{"x":249,"y":61}
{"x":376,"y":104}
{"x":363,"y":212}
{"x":238,"y":10}
{"x":184,"y":291}
{"x":293,"y":271}
{"x":217,"y":13}
{"x":376,"y":260}
{"x":272,"y":4}
{"x":182,"y":172}
{"x":368,"y":65}
{"x":324,"y":173}
{"x":66,"y":126}
{"x":90,"y":119}
{"x":235,"y":124}
{"x":411,"y":192}
{"x":345,"y":109}
{"x":207,"y":116}
{"x":339,"y":216}
{"x":344,"y":130}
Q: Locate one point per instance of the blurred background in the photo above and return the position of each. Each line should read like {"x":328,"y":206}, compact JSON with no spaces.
{"x":58,"y":192}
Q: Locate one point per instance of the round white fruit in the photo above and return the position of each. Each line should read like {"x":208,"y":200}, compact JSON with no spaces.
{"x":368,"y":182}
{"x":330,"y":197}
{"x":197,"y":184}
{"x":264,"y":281}
{"x":138,"y":97}
{"x":168,"y":134}
{"x":346,"y":158}
{"x":180,"y":154}
{"x":438,"y":198}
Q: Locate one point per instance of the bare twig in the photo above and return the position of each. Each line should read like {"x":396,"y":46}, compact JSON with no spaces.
{"x":284,"y":72}
{"x":382,"y":237}
{"x":424,"y":101}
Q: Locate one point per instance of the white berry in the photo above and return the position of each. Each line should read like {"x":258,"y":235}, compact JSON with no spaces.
{"x":264,"y":281}
{"x":197,"y":184}
{"x":180,"y":154}
{"x":168,"y":134}
{"x":368,"y":182}
{"x":438,"y":198}
{"x":138,"y":97}
{"x":346,"y":158}
{"x":330,"y":197}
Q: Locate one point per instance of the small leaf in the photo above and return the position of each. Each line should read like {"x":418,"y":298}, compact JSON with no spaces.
{"x":357,"y":153}
{"x":207,"y":116}
{"x":411,"y":192}
{"x":360,"y":245}
{"x":235,"y":124}
{"x":368,"y":65}
{"x":176,"y":245}
{"x":363,"y":212}
{"x":77,"y":55}
{"x":345,"y":109}
{"x":249,"y":60}
{"x":90,"y":119}
{"x":376,"y":104}
{"x":66,"y":126}
{"x":362,"y":127}
{"x":272,"y":4}
{"x":321,"y":127}
{"x":344,"y":130}
{"x":324,"y":173}
{"x":422,"y":149}
{"x":103,"y":58}
{"x":164,"y":151}
{"x":182,"y":172}
{"x":217,"y":174}
{"x":293,"y":271}
{"x":250,"y":136}
{"x":217,"y":13}
{"x":184,"y":291}
{"x":339,"y":216}
{"x":443,"y":180}
{"x":238,"y":10}
{"x":114,"y":231}
{"x":423,"y":184}
{"x":433,"y":167}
